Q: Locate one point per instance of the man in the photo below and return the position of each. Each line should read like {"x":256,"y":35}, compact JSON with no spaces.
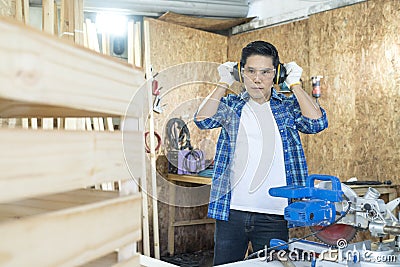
{"x":258,"y":148}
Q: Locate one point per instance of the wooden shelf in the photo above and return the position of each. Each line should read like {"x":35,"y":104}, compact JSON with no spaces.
{"x":37,"y":75}
{"x":55,"y":161}
{"x":46,"y":218}
{"x":67,"y":224}
{"x":189,"y":179}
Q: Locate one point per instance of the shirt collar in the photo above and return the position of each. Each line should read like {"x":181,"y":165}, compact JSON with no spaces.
{"x":245,"y":95}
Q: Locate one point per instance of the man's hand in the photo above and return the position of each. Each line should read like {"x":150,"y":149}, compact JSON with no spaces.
{"x":294,"y":72}
{"x":226,"y":73}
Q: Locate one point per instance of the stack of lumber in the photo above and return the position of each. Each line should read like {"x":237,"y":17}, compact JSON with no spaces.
{"x":49,"y":213}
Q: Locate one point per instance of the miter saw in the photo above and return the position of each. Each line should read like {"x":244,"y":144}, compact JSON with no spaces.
{"x":334,"y":213}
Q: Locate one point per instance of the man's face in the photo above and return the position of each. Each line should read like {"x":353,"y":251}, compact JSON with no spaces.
{"x":258,"y":76}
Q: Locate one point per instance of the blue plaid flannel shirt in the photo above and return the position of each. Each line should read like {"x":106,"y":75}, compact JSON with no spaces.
{"x":289,"y":119}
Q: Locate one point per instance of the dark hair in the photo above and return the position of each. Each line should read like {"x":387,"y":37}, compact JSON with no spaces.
{"x":260,"y":48}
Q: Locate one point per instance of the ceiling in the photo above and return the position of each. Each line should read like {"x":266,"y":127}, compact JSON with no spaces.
{"x":206,"y":8}
{"x":267,"y":12}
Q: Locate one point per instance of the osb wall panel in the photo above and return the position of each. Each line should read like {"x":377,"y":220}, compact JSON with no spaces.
{"x":7,"y":8}
{"x":356,"y":49}
{"x":170,"y":46}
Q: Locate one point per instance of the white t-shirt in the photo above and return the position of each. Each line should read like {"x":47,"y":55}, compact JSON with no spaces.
{"x":258,"y":162}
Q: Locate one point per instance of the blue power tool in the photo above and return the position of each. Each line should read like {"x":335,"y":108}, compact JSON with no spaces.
{"x":317,"y":206}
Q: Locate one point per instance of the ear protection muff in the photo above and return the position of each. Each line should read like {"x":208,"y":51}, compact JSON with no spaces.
{"x":280,"y":74}
{"x":237,"y":72}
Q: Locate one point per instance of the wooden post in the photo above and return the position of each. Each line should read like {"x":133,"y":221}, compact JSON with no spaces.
{"x":149,"y":76}
{"x":22,"y":10}
{"x":78,"y":22}
{"x":19,"y":10}
{"x":67,"y":20}
{"x":55,"y":19}
{"x":138,"y":44}
{"x":48,"y":16}
{"x":131,"y":44}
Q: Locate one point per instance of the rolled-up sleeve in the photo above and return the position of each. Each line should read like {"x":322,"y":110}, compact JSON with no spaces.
{"x":215,"y":121}
{"x":312,"y":126}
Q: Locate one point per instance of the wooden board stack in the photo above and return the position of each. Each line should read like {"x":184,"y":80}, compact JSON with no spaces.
{"x":48,"y":216}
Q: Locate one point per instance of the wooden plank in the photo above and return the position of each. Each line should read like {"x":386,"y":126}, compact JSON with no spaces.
{"x":55,"y":19}
{"x":152,"y":153}
{"x":78,"y":22}
{"x":146,"y":261}
{"x":131,"y":45}
{"x":55,"y":234}
{"x":134,"y":124}
{"x":193,"y":222}
{"x":67,"y":25}
{"x":18,"y":109}
{"x":40,"y":69}
{"x":112,"y":260}
{"x":34,"y":206}
{"x":138,"y":44}
{"x":189,"y":179}
{"x":19,"y":11}
{"x":48,"y":16}
{"x":206,"y":24}
{"x":57,"y":161}
{"x":26,"y":11}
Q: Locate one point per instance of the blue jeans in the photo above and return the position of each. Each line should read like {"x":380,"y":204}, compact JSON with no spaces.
{"x":232,"y":237}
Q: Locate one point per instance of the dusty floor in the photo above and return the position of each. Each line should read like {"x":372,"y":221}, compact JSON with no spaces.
{"x":195,"y":259}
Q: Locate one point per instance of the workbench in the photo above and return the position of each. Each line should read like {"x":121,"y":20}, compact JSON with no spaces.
{"x":172,"y":223}
{"x":389,"y":190}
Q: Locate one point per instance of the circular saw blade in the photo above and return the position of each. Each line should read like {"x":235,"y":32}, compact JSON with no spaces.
{"x":333,"y":233}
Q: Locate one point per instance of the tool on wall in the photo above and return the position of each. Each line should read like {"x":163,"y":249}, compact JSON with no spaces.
{"x":316,"y":85}
{"x":156,"y":90}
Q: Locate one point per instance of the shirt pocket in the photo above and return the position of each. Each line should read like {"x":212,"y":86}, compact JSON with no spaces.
{"x":293,"y":137}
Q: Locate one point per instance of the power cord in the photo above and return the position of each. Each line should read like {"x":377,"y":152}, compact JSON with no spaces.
{"x":178,"y":136}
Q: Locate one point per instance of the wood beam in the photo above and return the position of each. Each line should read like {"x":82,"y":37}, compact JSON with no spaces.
{"x":43,"y":70}
{"x":57,"y":161}
{"x":50,"y":239}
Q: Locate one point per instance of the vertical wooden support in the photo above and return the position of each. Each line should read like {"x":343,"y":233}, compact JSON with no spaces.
{"x":145,"y":205}
{"x":26,"y":11}
{"x":22,"y":11}
{"x":171,"y":221}
{"x":19,"y":10}
{"x":152,"y":142}
{"x":128,"y":187}
{"x":138,"y":44}
{"x":48,"y":26}
{"x":48,"y":16}
{"x":67,"y":26}
{"x":131,"y":45}
{"x":55,"y":19}
{"x":78,"y":22}
{"x":48,"y":123}
{"x":143,"y":179}
{"x":92,"y":39}
{"x":105,"y":44}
